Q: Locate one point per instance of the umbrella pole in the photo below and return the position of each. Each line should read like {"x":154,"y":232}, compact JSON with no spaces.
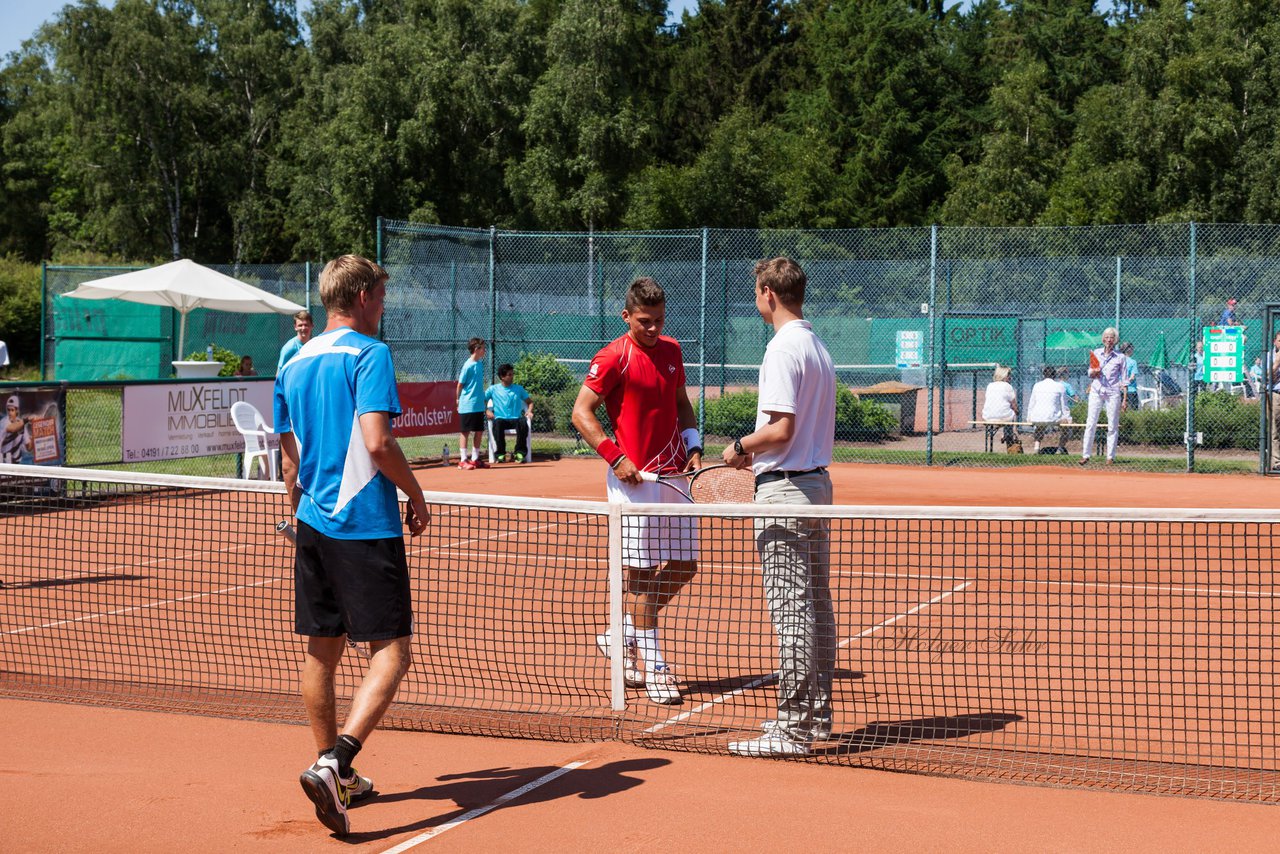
{"x":182,"y":336}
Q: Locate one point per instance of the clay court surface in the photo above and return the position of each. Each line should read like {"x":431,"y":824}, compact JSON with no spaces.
{"x":86,"y":779}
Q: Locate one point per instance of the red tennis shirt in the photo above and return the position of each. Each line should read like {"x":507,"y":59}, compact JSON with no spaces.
{"x":639,"y":386}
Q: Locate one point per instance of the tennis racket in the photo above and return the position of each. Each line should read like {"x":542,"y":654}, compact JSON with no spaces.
{"x":285,"y":528}
{"x":716,"y":484}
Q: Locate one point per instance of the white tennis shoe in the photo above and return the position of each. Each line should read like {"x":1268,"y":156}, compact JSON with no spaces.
{"x":632,"y":675}
{"x":660,"y":685}
{"x":820,"y":729}
{"x":773,"y":744}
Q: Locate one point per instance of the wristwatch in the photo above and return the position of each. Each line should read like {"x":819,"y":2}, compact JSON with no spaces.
{"x":737,"y":448}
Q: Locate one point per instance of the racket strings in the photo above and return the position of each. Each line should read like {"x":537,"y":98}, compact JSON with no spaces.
{"x":723,"y":485}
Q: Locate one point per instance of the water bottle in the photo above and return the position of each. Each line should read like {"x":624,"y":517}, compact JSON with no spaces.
{"x":208,"y":353}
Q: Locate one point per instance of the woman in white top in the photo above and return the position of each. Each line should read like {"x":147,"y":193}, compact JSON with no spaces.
{"x":1001,"y":402}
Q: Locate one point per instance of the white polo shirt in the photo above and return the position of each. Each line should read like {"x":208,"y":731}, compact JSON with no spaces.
{"x":797,"y":376}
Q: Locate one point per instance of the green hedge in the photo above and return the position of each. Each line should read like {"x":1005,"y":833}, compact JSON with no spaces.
{"x":1226,"y":420}
{"x":857,"y":420}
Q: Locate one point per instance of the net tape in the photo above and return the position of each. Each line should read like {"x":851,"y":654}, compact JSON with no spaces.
{"x":1115,"y":648}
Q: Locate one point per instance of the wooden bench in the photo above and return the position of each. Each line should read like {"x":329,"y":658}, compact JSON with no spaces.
{"x":990,"y":427}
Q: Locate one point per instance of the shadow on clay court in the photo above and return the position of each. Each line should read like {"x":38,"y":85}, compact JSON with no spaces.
{"x":749,"y":681}
{"x":877,"y":735}
{"x":473,"y":789}
{"x":64,"y":582}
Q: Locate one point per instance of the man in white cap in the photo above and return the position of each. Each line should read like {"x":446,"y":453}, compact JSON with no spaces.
{"x":14,"y":435}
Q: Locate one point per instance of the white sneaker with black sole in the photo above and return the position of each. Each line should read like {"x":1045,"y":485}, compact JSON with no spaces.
{"x":325,"y":789}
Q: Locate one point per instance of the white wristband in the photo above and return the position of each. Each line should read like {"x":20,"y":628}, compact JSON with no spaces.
{"x":691,"y":439}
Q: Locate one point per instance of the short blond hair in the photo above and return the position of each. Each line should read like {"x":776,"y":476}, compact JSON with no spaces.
{"x":784,"y":277}
{"x":1002,"y":373}
{"x":346,"y":277}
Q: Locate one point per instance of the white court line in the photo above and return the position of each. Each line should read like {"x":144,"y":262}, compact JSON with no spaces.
{"x":152,"y":562}
{"x":489,"y":807}
{"x":756,"y":683}
{"x":147,"y":605}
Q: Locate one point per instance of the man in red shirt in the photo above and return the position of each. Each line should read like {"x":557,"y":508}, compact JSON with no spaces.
{"x":639,"y":378}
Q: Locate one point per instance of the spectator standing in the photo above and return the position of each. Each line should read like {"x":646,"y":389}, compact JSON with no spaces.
{"x":1130,"y":375}
{"x":1228,"y":316}
{"x":471,"y":406}
{"x":1271,"y":369}
{"x":303,"y":324}
{"x":246,"y":367}
{"x":1106,"y":368}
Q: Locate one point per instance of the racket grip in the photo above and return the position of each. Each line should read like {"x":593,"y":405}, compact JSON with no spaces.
{"x":651,"y":477}
{"x":284,"y":527}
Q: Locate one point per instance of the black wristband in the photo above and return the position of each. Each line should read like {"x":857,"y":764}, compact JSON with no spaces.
{"x":694,"y":450}
{"x":737,"y":448}
{"x":618,"y":461}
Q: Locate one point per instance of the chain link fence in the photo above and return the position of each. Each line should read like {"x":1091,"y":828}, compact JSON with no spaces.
{"x":97,"y":340}
{"x":917,"y":320}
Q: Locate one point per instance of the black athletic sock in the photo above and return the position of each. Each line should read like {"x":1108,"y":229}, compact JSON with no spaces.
{"x":325,"y":752}
{"x":345,"y":752}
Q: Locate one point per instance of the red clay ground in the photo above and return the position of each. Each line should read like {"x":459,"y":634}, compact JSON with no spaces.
{"x":104,"y":780}
{"x":85,"y":779}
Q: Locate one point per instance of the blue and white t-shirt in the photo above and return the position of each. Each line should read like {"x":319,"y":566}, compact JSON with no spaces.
{"x":508,"y":401}
{"x":319,"y":397}
{"x":471,"y":378}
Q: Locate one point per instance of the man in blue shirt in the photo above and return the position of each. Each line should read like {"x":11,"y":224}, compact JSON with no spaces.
{"x":333,"y":406}
{"x":511,"y":406}
{"x":1228,"y":317}
{"x":1130,"y":375}
{"x":303,"y":323}
{"x":471,"y":406}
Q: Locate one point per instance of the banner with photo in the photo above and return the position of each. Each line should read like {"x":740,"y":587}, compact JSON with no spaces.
{"x":166,"y":421}
{"x":34,"y":428}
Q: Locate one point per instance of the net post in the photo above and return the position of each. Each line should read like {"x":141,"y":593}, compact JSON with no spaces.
{"x":617,"y":690}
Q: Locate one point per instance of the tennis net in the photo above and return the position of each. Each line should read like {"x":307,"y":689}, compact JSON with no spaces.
{"x":1126,"y":649}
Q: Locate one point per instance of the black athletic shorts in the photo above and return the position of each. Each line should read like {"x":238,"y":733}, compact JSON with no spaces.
{"x":471,"y":422}
{"x":359,"y":588}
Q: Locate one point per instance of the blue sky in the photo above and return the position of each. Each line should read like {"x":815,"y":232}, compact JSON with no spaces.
{"x":19,"y":19}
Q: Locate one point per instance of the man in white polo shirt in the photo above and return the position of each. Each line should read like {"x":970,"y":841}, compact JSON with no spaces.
{"x":789,"y":452}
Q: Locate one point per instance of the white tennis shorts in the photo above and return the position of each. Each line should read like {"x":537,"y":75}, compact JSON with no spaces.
{"x":650,"y":540}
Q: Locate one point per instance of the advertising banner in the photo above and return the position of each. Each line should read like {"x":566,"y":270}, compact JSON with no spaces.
{"x":172,"y":420}
{"x":426,"y":409}
{"x":33,"y":428}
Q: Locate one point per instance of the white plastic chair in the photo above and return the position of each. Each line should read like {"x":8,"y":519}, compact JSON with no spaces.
{"x":1148,"y":398}
{"x":528,"y":444}
{"x":258,"y":439}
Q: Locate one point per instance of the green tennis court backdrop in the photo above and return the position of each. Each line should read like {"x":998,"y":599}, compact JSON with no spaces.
{"x":1025,"y":297}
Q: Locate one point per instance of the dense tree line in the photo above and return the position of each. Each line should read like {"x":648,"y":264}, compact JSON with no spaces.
{"x":214,"y":129}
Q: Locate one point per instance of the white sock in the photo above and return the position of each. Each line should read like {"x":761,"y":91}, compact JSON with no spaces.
{"x":628,"y":629}
{"x":648,"y":643}
{"x":475,"y":453}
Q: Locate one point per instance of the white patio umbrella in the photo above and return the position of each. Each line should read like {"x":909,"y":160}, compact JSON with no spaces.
{"x":185,"y":285}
